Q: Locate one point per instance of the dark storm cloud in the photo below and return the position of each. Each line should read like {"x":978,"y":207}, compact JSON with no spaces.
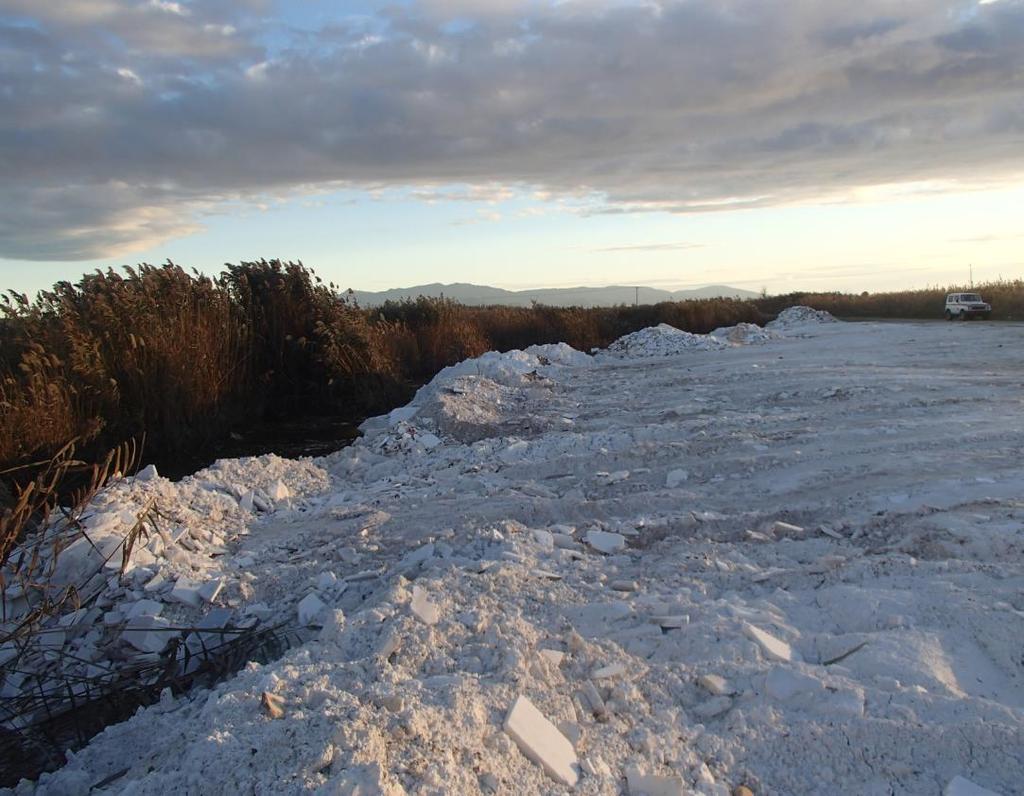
{"x":125,"y":120}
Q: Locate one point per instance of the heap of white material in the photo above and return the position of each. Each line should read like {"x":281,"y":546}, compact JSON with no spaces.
{"x":800,"y":316}
{"x":662,"y":341}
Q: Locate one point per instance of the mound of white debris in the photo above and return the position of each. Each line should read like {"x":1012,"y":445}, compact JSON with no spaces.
{"x":800,"y":316}
{"x":758,"y":569}
{"x":661,"y":341}
{"x":745,"y":334}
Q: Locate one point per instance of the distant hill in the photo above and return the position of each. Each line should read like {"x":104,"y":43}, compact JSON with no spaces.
{"x":481,"y":295}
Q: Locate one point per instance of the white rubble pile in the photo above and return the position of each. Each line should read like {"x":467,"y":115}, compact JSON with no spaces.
{"x":662,"y":341}
{"x":745,"y":334}
{"x":696,"y":576}
{"x":795,"y":317}
{"x":486,"y":396}
{"x":177,"y":573}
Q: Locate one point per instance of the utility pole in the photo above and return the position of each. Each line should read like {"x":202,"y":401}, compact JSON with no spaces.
{"x":636,"y":298}
{"x":971,"y":267}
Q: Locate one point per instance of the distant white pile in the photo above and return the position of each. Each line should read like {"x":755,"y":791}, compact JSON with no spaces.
{"x":745,"y":334}
{"x":662,"y":341}
{"x":800,"y":316}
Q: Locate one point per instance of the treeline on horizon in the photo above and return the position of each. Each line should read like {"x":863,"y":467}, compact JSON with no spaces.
{"x":185,"y":359}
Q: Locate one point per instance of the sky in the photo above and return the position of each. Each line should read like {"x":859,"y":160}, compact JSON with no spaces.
{"x":809,"y":144}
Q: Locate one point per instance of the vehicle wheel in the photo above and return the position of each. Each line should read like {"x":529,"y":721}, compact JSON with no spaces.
{"x":949,"y":315}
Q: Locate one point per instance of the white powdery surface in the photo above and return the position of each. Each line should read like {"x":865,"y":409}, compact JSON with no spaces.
{"x":820,"y":507}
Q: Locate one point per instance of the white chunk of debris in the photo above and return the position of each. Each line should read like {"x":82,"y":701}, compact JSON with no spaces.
{"x":675,"y":478}
{"x":671,"y":621}
{"x":147,"y":473}
{"x":542,"y":742}
{"x":715,"y":706}
{"x":642,"y":784}
{"x":186,"y":591}
{"x":144,"y":608}
{"x":829,"y":531}
{"x":211,"y":589}
{"x":554,"y":657}
{"x":309,"y":608}
{"x":774,"y":648}
{"x":426,"y":611}
{"x":715,"y":684}
{"x":147,"y":633}
{"x":606,"y":672}
{"x":280,"y":491}
{"x":958,"y":786}
{"x":785,"y":527}
{"x":605,"y":541}
{"x":782,"y":684}
{"x":156,"y":583}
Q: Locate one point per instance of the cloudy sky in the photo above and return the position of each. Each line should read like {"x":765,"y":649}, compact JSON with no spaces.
{"x":800,"y":144}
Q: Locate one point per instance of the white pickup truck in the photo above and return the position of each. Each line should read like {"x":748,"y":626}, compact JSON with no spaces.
{"x":966,"y":306}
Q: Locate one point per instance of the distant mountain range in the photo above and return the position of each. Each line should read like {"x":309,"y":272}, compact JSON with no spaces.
{"x":482,"y":295}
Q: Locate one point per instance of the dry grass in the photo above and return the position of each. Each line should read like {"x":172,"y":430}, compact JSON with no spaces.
{"x":43,"y":519}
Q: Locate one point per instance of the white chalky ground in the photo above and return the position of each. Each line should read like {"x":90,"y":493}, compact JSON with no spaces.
{"x":790,"y":561}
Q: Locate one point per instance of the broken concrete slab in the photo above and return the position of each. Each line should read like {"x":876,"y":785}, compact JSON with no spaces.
{"x":309,"y":608}
{"x":143,"y":608}
{"x":421,"y":606}
{"x":642,"y":784}
{"x":671,"y":622}
{"x":783,"y":684}
{"x":186,"y":591}
{"x":958,"y":786}
{"x":675,"y":478}
{"x":715,"y":684}
{"x":542,"y":742}
{"x":774,"y":648}
{"x":147,"y":633}
{"x":156,"y":583}
{"x":605,"y":541}
{"x":211,"y":589}
{"x":409,"y":561}
{"x":829,"y":531}
{"x":554,"y":657}
{"x":606,"y":672}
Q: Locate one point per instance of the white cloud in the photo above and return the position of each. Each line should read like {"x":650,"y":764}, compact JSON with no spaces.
{"x":170,"y":8}
{"x":129,"y":75}
{"x":676,"y":106}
